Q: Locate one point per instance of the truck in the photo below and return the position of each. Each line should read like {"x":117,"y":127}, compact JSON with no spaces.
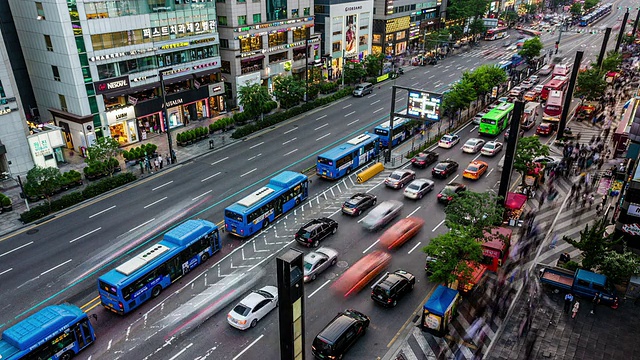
{"x":582,"y":283}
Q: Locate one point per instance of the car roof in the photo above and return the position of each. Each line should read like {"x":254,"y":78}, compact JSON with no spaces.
{"x":474,"y":140}
{"x":389,"y":280}
{"x":421,"y":181}
{"x":477,"y":162}
{"x":492,"y":142}
{"x":336,"y":327}
{"x":314,"y":257}
{"x":252,"y":299}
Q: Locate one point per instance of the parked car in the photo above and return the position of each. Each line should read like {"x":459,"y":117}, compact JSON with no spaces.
{"x":255,"y":306}
{"x":418,"y":188}
{"x":399,"y":178}
{"x":473,"y":145}
{"x":545,"y":129}
{"x":358,"y":203}
{"x":444,"y":168}
{"x":401,"y":232}
{"x":392,"y":286}
{"x":340,"y":334}
{"x":475,"y":170}
{"x":491,"y":148}
{"x":382,"y":214}
{"x":450,"y":191}
{"x":424,"y":159}
{"x":449,"y":141}
{"x":315,"y":231}
{"x":318,"y":261}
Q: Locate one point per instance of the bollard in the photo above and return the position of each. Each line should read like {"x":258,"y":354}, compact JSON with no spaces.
{"x":370,"y":172}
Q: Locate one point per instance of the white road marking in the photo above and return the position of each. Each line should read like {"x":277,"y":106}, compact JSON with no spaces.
{"x":372,"y":245}
{"x":249,"y":172}
{"x":141,"y":225}
{"x":320,"y":127}
{"x":400,"y":99}
{"x":158,"y":187}
{"x":290,"y":140}
{"x":253,"y":157}
{"x":209,"y":177}
{"x":323,"y":136}
{"x":201,"y":195}
{"x":100,"y":212}
{"x":378,"y":110}
{"x":87,"y":234}
{"x":452,"y":74}
{"x":490,"y":171}
{"x":413,"y":248}
{"x":375,"y":186}
{"x":454,"y":178}
{"x":349,"y":114}
{"x":155,"y":202}
{"x":431,"y":77}
{"x":415,"y":83}
{"x":256,"y":145}
{"x":477,"y":156}
{"x":321,"y":117}
{"x":414,"y":211}
{"x":437,"y":226}
{"x":413,"y":78}
{"x":290,"y":130}
{"x":18,"y":248}
{"x":55,"y":267}
{"x":370,"y":96}
{"x":248,"y":347}
{"x":180,"y":352}
{"x":318,"y":289}
{"x":221,"y":160}
{"x":290,"y":152}
{"x":6,"y":271}
{"x":375,"y":102}
{"x":344,"y":107}
{"x":353,"y":122}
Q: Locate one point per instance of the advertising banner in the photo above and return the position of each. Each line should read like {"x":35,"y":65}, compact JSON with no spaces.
{"x":351,"y":25}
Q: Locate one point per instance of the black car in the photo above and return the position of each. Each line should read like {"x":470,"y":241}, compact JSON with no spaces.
{"x":340,"y":334}
{"x":392,"y":286}
{"x":315,"y":231}
{"x":444,"y":168}
{"x":450,"y":191}
{"x":506,"y":134}
{"x":424,"y":159}
{"x":358,"y":203}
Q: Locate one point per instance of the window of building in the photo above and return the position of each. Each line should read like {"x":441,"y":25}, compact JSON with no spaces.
{"x":294,"y":13}
{"x":336,"y":46}
{"x":337,"y":32}
{"x":241,"y":1}
{"x":277,"y":39}
{"x":40,"y":10}
{"x":56,"y":73}
{"x":320,"y":9}
{"x":225,"y":67}
{"x":224,"y":43}
{"x":257,"y":18}
{"x":220,"y":1}
{"x":2,"y":93}
{"x":276,"y":10}
{"x":364,"y":27}
{"x":377,"y":38}
{"x":47,"y":42}
{"x":63,"y":102}
{"x":413,"y":6}
{"x":306,"y":11}
{"x":242,"y":20}
{"x":222,"y":20}
{"x":251,"y":44}
{"x":300,"y":34}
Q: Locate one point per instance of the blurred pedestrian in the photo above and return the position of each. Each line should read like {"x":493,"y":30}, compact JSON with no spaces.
{"x":160,"y":160}
{"x":595,"y":302}
{"x":568,"y":299}
{"x":576,"y":307}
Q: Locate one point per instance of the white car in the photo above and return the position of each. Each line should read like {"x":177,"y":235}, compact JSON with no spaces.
{"x":491,"y":148}
{"x":538,"y":88}
{"x":473,"y":145}
{"x":516,"y":91}
{"x":449,"y":141}
{"x":253,"y":308}
{"x":418,"y":188}
{"x":526,"y":85}
{"x":318,"y":261}
{"x":534,"y":79}
{"x":478,"y":117}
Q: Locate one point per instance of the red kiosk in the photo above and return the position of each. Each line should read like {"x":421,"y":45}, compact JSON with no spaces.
{"x":514,"y":205}
{"x":495,"y":247}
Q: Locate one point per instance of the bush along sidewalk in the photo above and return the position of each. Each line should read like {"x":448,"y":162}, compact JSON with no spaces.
{"x":276,"y":118}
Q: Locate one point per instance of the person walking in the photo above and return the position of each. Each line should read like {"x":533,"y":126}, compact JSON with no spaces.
{"x":160,"y":160}
{"x":576,"y":307}
{"x":595,"y":302}
{"x":568,"y":299}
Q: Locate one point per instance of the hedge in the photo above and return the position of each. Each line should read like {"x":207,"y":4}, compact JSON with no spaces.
{"x":76,"y":197}
{"x":276,"y":118}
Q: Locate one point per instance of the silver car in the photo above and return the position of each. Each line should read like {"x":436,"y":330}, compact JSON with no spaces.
{"x":418,"y":188}
{"x":318,"y":261}
{"x":382,"y":214}
{"x":473,"y":145}
{"x":399,"y":178}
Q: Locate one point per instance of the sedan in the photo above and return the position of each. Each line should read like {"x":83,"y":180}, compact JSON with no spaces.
{"x":253,"y":308}
{"x":529,"y":123}
{"x":418,"y":188}
{"x":472,"y":146}
{"x":491,"y":148}
{"x":531,"y":96}
{"x":444,"y":168}
{"x":475,"y":170}
{"x":362,"y":272}
{"x":548,"y":160}
{"x":545,"y":129}
{"x":399,"y":178}
{"x":318,"y":261}
{"x":538,"y":89}
{"x":315,"y":231}
{"x":382,"y":214}
{"x":534,"y":79}
{"x":449,"y":141}
{"x":526,"y":85}
{"x":450,"y":191}
{"x":424,"y":159}
{"x":358,"y":203}
{"x":401,"y":232}
{"x":476,"y":119}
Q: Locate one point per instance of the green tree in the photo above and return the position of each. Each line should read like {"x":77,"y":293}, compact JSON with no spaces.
{"x":619,"y":267}
{"x":510,"y":17}
{"x":477,"y":212}
{"x":484,"y":78}
{"x":288,"y":90}
{"x":531,"y":48}
{"x":531,"y":9}
{"x":251,"y":97}
{"x":612,"y":62}
{"x":456,"y":10}
{"x":452,"y":250}
{"x":44,"y":181}
{"x":373,"y":63}
{"x":590,"y":84}
{"x":477,"y":27}
{"x":576,"y":9}
{"x":353,"y":72}
{"x":589,"y":4}
{"x":477,"y":8}
{"x":103,"y":150}
{"x":528,"y":148}
{"x":594,"y":244}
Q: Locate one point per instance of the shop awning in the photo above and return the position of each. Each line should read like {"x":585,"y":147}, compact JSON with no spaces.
{"x":515,"y":201}
{"x":254,"y":58}
{"x":177,"y":79}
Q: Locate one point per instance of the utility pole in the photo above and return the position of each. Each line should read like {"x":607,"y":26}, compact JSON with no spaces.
{"x":505,"y":178}
{"x":603,"y":48}
{"x":165,"y":114}
{"x":306,"y":68}
{"x":344,"y":67}
{"x":569,"y":95}
{"x":387,"y":158}
{"x":560,"y":34}
{"x":622,"y":26}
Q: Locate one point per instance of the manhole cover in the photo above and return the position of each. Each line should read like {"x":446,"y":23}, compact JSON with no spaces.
{"x":32,"y":231}
{"x":342,"y":264}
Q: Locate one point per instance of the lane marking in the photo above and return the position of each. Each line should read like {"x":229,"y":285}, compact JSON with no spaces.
{"x":87,"y":234}
{"x":201,"y":195}
{"x":256,"y":145}
{"x":454,"y":178}
{"x":378,"y":110}
{"x":437,"y":226}
{"x":180,"y":352}
{"x":400,"y":99}
{"x":248,"y":347}
{"x":315,"y":291}
{"x":290,"y":152}
{"x":414,"y":211}
{"x":353,"y":122}
{"x":372,"y":245}
{"x":323,"y":136}
{"x":165,"y":184}
{"x":290,"y":130}
{"x":155,"y":202}
{"x":375,"y":102}
{"x":413,"y":248}
{"x":18,"y":248}
{"x":141,"y":225}
{"x":349,"y":114}
{"x":431,"y":77}
{"x":413,"y":78}
{"x":55,"y":267}
{"x":6,"y":271}
{"x":290,"y":140}
{"x":221,"y":160}
{"x":477,"y":156}
{"x":321,"y":117}
{"x":344,"y":107}
{"x":249,"y":172}
{"x":319,"y":127}
{"x":415,"y":83}
{"x":100,"y":212}
{"x":209,"y":177}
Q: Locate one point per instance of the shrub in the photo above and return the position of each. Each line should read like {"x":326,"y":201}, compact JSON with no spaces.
{"x":5,"y":201}
{"x":107,"y":184}
{"x":35,"y":213}
{"x":571,"y":265}
{"x":66,"y":201}
{"x":150,"y":148}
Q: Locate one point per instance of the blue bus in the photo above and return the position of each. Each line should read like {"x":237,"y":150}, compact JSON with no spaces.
{"x":505,"y":65}
{"x":399,"y":133}
{"x":265,"y":205}
{"x":341,"y":160}
{"x":55,"y":332}
{"x":595,"y":14}
{"x":144,"y":276}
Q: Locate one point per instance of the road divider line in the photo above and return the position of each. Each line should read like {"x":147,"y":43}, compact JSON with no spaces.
{"x":321,"y":117}
{"x":201,"y":195}
{"x":353,"y":122}
{"x":349,"y":114}
{"x":378,"y":110}
{"x":209,"y":177}
{"x":414,"y":211}
{"x":375,"y":102}
{"x":180,"y":352}
{"x":431,"y":77}
{"x":155,"y":202}
{"x":413,"y":248}
{"x":219,"y":161}
{"x":490,"y":171}
{"x":290,"y":130}
{"x":372,"y":245}
{"x":454,"y":179}
{"x":249,"y":172}
{"x":290,"y":140}
{"x":290,"y":152}
{"x":163,"y":185}
{"x":87,"y":234}
{"x":400,"y":99}
{"x":415,"y":83}
{"x":323,"y":136}
{"x":370,"y":96}
{"x":477,"y":156}
{"x":55,"y":267}
{"x":6,"y":271}
{"x":16,"y":249}
{"x":319,"y":127}
{"x":318,"y":289}
{"x":344,"y":107}
{"x":253,"y":157}
{"x":141,"y":225}
{"x":437,"y":226}
{"x":248,"y":347}
{"x":256,"y":145}
{"x":101,"y":212}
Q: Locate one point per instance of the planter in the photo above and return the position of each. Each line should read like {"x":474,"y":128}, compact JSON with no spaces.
{"x":7,"y":208}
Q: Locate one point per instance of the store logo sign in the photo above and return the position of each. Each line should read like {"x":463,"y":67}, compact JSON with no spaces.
{"x":352,"y":8}
{"x":175,"y":102}
{"x":102,"y":87}
{"x":120,"y":115}
{"x":633,"y":210}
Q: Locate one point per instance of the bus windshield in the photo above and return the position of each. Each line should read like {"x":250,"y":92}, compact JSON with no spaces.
{"x":233,"y":215}
{"x":488,"y":121}
{"x":325,"y":161}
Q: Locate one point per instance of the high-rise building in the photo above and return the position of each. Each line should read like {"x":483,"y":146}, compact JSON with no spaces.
{"x":96,"y":67}
{"x":263,"y":39}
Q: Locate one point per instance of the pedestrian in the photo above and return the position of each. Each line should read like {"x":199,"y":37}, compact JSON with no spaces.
{"x":141,"y":167}
{"x":576,"y":307}
{"x":568,"y":299}
{"x":155,"y":164}
{"x":166,"y":156}
{"x":160,"y":160}
{"x":595,"y":302}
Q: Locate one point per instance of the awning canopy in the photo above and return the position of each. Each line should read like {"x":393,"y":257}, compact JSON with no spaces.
{"x":515,"y":201}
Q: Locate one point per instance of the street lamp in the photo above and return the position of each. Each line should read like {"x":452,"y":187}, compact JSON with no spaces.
{"x":165,"y":114}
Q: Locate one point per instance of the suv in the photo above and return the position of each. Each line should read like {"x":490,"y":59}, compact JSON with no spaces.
{"x":392,"y":286}
{"x":340,"y":334}
{"x":316,"y":230}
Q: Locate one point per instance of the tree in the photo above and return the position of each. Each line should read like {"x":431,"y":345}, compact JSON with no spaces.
{"x":477,"y":212}
{"x":576,"y":9}
{"x":452,"y":250}
{"x":103,"y":150}
{"x":477,"y":27}
{"x":531,"y":48}
{"x":251,"y":97}
{"x":510,"y":17}
{"x":373,"y":63}
{"x":288,"y":90}
{"x":594,"y":244}
{"x":529,"y":148}
{"x":477,"y":8}
{"x":44,"y":181}
{"x":456,"y":10}
{"x":589,"y":4}
{"x":619,"y":267}
{"x":353,"y":72}
{"x":531,"y":9}
{"x":590,"y":85}
{"x":612,"y":62}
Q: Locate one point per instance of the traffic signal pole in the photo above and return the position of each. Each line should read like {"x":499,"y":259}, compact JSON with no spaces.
{"x":569,"y":96}
{"x":512,"y":142}
{"x":603,"y":48}
{"x":622,"y":27}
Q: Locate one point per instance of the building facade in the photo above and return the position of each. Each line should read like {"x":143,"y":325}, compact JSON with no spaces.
{"x":96,"y":66}
{"x":263,"y":39}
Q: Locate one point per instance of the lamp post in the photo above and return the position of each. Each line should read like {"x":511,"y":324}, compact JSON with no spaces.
{"x":165,"y":115}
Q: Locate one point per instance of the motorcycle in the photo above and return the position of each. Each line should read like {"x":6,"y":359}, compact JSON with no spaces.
{"x":400,"y":71}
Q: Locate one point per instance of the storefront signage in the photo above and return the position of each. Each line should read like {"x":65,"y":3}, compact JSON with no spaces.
{"x":120,"y":115}
{"x":105,"y":86}
{"x":187,"y":28}
{"x":121,"y":54}
{"x":175,"y":71}
{"x":143,"y":78}
{"x":172,"y":103}
{"x":352,"y":8}
{"x":174,"y":45}
{"x":398,"y":24}
{"x":292,"y":45}
{"x":202,"y":66}
{"x":632,"y":229}
{"x":277,"y":23}
{"x":251,"y":53}
{"x":6,"y":111}
{"x":40,"y":146}
{"x":203,"y":41}
{"x":263,"y":33}
{"x":216,"y":89}
{"x":633,"y":210}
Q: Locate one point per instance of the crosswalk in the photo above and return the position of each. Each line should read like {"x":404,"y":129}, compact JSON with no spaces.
{"x":492,"y":52}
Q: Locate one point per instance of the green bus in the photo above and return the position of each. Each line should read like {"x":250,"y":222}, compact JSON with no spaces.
{"x":496,"y":120}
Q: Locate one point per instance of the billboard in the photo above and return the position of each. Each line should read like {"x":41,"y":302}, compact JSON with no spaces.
{"x":351,"y":38}
{"x":424,"y":105}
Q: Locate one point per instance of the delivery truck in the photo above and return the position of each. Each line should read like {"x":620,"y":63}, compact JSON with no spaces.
{"x":582,"y":283}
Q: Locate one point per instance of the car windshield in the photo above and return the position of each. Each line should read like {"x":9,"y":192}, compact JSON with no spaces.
{"x":308,"y":266}
{"x":263,"y":293}
{"x":489,"y":146}
{"x":471,"y":143}
{"x":396,"y":176}
{"x":241,"y":310}
{"x":472,"y":168}
{"x":413,"y":187}
{"x":303,"y":234}
{"x":447,"y":138}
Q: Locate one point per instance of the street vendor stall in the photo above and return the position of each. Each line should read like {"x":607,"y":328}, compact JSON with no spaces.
{"x":514,"y":206}
{"x":441,"y":308}
{"x":495,"y":247}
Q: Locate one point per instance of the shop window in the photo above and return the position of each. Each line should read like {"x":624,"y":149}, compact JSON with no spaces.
{"x":294,"y":13}
{"x":320,"y":9}
{"x":63,"y":102}
{"x":48,"y":43}
{"x":242,"y":20}
{"x":277,"y":39}
{"x":225,"y":67}
{"x":257,"y":18}
{"x":336,"y":46}
{"x":400,"y":35}
{"x":222,"y":20}
{"x":300,"y":34}
{"x":96,"y":40}
{"x":299,"y":54}
{"x":307,"y":11}
{"x":224,"y":43}
{"x":40,"y":11}
{"x":251,"y":44}
{"x":389,"y":38}
{"x":278,"y":57}
{"x":106,"y":71}
{"x":365,"y":27}
{"x":377,"y":38}
{"x":56,"y":73}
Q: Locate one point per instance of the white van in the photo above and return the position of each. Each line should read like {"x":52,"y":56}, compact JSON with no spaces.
{"x":363,"y":89}
{"x":532,"y":108}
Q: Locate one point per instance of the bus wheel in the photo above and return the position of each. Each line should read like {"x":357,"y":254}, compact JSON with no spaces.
{"x":204,"y":257}
{"x":297,"y":201}
{"x":348,"y":171}
{"x":66,"y":356}
{"x":265,"y":224}
{"x":156,"y":291}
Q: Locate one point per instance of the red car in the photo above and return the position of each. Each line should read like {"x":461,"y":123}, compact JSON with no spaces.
{"x":545,"y":129}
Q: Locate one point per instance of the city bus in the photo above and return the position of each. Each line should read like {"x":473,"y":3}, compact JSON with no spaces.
{"x":55,"y":332}
{"x":595,"y":14}
{"x":144,"y":276}
{"x":496,"y":120}
{"x":341,"y":160}
{"x":400,"y":132}
{"x":265,"y":205}
{"x":497,"y":33}
{"x":558,"y":83}
{"x":553,"y":108}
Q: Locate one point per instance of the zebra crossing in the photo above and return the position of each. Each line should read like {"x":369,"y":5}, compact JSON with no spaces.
{"x":492,"y":52}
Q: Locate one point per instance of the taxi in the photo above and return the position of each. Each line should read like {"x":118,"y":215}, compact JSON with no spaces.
{"x":530,"y":96}
{"x":475,"y":170}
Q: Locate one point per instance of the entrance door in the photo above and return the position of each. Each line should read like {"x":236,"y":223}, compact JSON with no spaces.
{"x":133,"y":130}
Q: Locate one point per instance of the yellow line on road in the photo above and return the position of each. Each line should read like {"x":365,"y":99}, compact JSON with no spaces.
{"x":90,"y":301}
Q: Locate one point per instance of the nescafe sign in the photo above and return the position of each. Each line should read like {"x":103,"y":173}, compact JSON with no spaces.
{"x":111,"y":85}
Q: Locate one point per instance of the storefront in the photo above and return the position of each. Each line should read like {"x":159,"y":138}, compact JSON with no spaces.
{"x":122,"y":125}
{"x":77,"y":131}
{"x":187,"y":106}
